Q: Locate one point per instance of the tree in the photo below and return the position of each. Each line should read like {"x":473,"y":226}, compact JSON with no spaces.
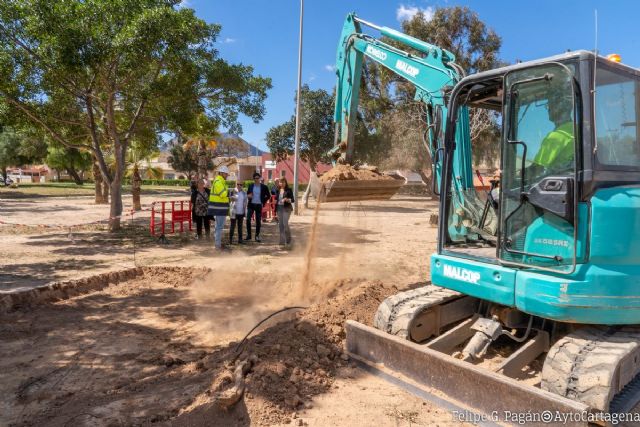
{"x":186,"y":159}
{"x":459,"y":30}
{"x":387,"y":99}
{"x":18,"y":148}
{"x":316,"y":129}
{"x":96,"y":74}
{"x":72,"y":160}
{"x":140,"y":155}
{"x":316,"y":132}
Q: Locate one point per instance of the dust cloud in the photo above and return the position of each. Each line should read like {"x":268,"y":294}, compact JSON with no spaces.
{"x":232,"y":300}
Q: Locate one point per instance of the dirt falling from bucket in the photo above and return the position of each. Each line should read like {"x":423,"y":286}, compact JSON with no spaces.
{"x":309,"y":256}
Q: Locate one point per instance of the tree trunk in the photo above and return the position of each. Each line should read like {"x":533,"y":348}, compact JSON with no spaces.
{"x":116,"y":182}
{"x":74,"y":174}
{"x":136,"y":185}
{"x":307,"y":191}
{"x":97,"y":180}
{"x":202,"y":159}
{"x":116,"y":204}
{"x":105,"y":192}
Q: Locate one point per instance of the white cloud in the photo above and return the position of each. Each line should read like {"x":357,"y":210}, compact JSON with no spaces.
{"x":404,"y":13}
{"x":229,"y":40}
{"x":330,"y":68}
{"x":312,"y":77}
{"x":184,"y":3}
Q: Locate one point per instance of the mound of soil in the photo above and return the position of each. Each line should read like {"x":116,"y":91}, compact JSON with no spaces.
{"x":351,"y":173}
{"x":295,"y":360}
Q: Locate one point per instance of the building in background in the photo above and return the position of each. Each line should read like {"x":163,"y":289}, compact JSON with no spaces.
{"x":272,"y":169}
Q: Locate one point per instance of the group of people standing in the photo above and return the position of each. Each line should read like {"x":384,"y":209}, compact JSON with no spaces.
{"x":219,"y":201}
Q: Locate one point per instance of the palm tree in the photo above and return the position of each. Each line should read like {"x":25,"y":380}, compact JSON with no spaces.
{"x":204,"y":144}
{"x":203,"y":135}
{"x":138,"y":154}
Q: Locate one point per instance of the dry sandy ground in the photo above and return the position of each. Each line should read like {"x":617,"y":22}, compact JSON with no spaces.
{"x":157,"y":348}
{"x":388,"y":240}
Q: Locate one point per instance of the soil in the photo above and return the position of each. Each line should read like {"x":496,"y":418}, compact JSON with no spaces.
{"x":134,"y":353}
{"x":349,"y":173}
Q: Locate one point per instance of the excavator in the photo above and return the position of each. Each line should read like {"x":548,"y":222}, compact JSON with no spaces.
{"x":548,"y":273}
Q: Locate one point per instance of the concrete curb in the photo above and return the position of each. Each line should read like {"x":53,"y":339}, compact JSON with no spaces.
{"x":66,"y":289}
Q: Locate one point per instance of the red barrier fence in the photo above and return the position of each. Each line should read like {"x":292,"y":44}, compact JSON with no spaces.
{"x":269,"y":210}
{"x":170,"y":213}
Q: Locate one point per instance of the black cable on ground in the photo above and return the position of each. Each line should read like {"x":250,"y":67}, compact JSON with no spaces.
{"x":260,"y":323}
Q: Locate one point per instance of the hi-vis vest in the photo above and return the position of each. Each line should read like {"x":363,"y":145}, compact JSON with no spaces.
{"x":219,"y":197}
{"x":557,"y":148}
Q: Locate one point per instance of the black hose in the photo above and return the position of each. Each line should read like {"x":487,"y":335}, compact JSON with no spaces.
{"x":261,"y":322}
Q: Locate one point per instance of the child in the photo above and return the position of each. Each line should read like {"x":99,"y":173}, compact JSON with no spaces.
{"x":238,"y":209}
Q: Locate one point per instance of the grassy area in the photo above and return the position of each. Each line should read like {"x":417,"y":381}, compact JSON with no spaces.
{"x":69,"y":189}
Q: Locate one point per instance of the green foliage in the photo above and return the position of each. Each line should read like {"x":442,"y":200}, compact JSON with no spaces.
{"x":316,"y":131}
{"x":71,"y":160}
{"x":100,"y":74}
{"x":459,"y":30}
{"x":185,"y":160}
{"x":17,"y":149}
{"x":170,"y":182}
{"x":387,"y":101}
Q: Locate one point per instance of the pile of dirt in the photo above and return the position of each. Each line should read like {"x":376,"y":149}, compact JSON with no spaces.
{"x":352,"y":173}
{"x":295,"y":360}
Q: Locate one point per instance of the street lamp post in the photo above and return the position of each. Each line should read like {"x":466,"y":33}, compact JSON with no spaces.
{"x":296,"y":155}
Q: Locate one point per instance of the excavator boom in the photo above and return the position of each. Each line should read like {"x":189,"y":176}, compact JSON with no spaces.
{"x":430,"y":69}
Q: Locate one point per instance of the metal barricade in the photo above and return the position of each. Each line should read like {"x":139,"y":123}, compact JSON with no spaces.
{"x":170,"y":213}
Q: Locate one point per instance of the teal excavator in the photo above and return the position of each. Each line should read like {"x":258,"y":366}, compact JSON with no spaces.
{"x":548,"y":272}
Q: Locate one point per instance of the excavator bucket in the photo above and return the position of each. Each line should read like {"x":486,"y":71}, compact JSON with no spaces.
{"x":347,"y":184}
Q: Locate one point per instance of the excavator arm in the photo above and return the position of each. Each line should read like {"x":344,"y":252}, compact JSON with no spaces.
{"x":433,"y":72}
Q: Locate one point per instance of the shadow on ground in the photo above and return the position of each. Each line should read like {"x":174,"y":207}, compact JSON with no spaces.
{"x":128,"y":355}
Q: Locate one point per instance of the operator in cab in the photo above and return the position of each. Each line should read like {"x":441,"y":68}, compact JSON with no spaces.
{"x":556,"y":153}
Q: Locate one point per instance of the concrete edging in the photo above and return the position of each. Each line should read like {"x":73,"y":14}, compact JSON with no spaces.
{"x":56,"y":291}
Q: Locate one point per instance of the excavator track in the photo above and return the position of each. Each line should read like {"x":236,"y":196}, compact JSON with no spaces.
{"x":415,"y":314}
{"x":597,"y":366}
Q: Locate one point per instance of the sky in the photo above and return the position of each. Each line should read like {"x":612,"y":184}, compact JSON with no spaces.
{"x":264,"y":34}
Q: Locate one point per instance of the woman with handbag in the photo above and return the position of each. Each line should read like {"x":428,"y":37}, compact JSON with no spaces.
{"x":284,"y":204}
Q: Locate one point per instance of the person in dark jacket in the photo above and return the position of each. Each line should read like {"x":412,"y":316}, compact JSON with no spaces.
{"x":284,"y":204}
{"x":194,"y":190}
{"x":258,"y":195}
{"x":200,"y":204}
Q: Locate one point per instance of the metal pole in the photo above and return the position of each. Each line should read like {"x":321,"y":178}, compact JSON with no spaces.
{"x":296,"y":155}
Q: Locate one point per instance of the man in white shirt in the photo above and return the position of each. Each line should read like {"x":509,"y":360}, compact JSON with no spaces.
{"x":238,"y":210}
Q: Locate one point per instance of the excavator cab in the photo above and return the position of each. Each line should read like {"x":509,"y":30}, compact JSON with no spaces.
{"x":534,"y":120}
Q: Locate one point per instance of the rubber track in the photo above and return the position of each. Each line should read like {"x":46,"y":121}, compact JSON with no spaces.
{"x":395,"y":313}
{"x":582,"y":365}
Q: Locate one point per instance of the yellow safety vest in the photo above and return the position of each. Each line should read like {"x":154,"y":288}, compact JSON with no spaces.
{"x":219,"y":197}
{"x":557,"y":148}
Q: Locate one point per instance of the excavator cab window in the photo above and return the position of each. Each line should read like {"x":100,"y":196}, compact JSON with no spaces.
{"x":539,"y":168}
{"x":472,"y":215}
